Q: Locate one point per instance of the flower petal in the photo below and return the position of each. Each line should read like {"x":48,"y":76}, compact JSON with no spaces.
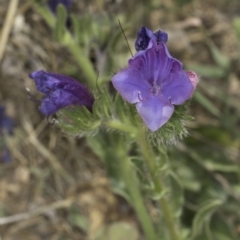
{"x":155,"y":111}
{"x":161,"y":36}
{"x":61,"y":91}
{"x":131,"y":84}
{"x":48,"y":107}
{"x":49,"y":84}
{"x":178,"y":88}
{"x":57,"y":100}
{"x":44,"y":83}
{"x":145,"y":35}
{"x":155,"y":63}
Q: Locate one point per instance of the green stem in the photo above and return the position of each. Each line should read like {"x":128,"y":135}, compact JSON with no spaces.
{"x":136,"y":197}
{"x":118,"y":125}
{"x":158,"y":184}
{"x":83,"y":61}
{"x":69,"y":41}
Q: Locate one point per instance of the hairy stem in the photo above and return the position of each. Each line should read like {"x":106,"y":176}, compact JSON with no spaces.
{"x":158,"y":184}
{"x":136,"y":197}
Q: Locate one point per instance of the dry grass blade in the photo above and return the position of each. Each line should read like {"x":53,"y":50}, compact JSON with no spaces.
{"x":33,"y":213}
{"x":45,"y":152}
{"x":12,"y":9}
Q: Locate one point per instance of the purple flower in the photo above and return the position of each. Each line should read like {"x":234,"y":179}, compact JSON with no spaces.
{"x":54,"y":3}
{"x":5,"y":155}
{"x":6,"y":123}
{"x":156,"y":82}
{"x":145,"y":35}
{"x":61,"y":91}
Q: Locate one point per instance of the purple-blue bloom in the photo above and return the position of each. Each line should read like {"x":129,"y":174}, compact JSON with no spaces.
{"x":6,"y":123}
{"x":53,"y":4}
{"x":145,"y":35}
{"x":61,"y":91}
{"x":5,"y":155}
{"x":156,"y":82}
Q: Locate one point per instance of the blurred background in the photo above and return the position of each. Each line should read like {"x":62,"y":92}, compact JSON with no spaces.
{"x":42,"y":168}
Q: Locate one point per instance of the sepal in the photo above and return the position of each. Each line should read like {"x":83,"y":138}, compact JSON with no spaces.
{"x":79,"y":121}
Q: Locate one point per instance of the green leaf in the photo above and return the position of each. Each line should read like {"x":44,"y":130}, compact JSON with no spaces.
{"x":76,"y":27}
{"x":207,"y":70}
{"x":119,"y":188}
{"x":60,"y":26}
{"x":96,"y":146}
{"x":157,"y":196}
{"x":188,"y":177}
{"x":79,"y":220}
{"x":44,"y":12}
{"x":222,"y":60}
{"x":117,"y":231}
{"x":203,"y":216}
{"x":176,"y":193}
{"x":236,"y":25}
{"x":223,"y":229}
{"x":104,"y":145}
{"x":206,"y":103}
{"x":81,"y":30}
{"x":221,"y":167}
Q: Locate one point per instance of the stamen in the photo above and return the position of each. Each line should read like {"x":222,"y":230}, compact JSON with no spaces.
{"x":170,"y":100}
{"x":139,"y":97}
{"x":154,"y":89}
